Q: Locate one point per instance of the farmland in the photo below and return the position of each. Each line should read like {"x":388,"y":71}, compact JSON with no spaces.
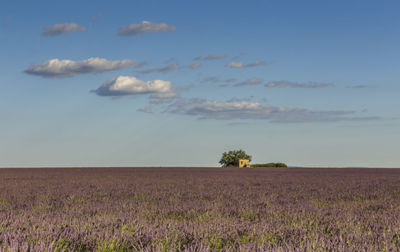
{"x":201,"y":209}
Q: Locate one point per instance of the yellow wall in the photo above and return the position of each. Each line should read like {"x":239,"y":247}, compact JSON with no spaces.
{"x":244,"y":163}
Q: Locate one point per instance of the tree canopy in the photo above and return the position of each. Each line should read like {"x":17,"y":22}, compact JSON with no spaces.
{"x":231,"y":158}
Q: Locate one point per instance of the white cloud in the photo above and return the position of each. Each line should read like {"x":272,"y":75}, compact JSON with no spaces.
{"x":130,"y":85}
{"x":194,"y":65}
{"x":166,"y":69}
{"x":56,"y":68}
{"x":145,"y":27}
{"x":233,"y":64}
{"x":215,"y":79}
{"x":297,"y":84}
{"x":240,"y":64}
{"x":59,"y":29}
{"x":246,"y":110}
{"x":211,"y":57}
{"x":250,"y":82}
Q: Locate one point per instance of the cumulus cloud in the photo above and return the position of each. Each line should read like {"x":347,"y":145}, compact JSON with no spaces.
{"x":211,"y":57}
{"x":194,"y":65}
{"x":166,"y":69}
{"x":56,"y":68}
{"x":297,"y":84}
{"x":130,"y":85}
{"x":59,"y":29}
{"x":250,"y":82}
{"x":246,"y":110}
{"x":145,"y":27}
{"x":240,"y":64}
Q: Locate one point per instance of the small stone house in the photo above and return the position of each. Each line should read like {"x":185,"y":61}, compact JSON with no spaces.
{"x":244,"y":163}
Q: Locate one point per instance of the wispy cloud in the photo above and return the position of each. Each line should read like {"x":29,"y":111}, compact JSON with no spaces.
{"x":56,"y":68}
{"x":215,"y":79}
{"x":98,"y":16}
{"x":166,"y":69}
{"x":256,"y":63}
{"x":147,"y":110}
{"x":245,"y":110}
{"x":233,"y":64}
{"x":59,"y":29}
{"x":145,"y":27}
{"x":211,"y":57}
{"x":6,"y":20}
{"x":211,"y":79}
{"x":194,"y":65}
{"x":236,"y":99}
{"x":291,"y":84}
{"x":359,"y":86}
{"x":240,"y":64}
{"x":164,"y":97}
{"x":130,"y":85}
{"x":230,"y":80}
{"x":234,"y":124}
{"x":171,"y":60}
{"x":250,"y":82}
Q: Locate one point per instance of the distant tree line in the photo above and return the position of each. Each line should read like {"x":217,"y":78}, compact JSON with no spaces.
{"x":270,"y":165}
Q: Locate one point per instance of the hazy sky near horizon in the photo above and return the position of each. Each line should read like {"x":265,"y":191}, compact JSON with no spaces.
{"x":176,"y":83}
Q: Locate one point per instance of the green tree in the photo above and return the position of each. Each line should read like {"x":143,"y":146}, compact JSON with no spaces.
{"x":231,"y":158}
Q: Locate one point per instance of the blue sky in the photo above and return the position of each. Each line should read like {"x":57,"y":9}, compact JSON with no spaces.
{"x":176,"y":83}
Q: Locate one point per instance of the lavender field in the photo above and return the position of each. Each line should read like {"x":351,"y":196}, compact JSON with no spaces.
{"x":199,"y":209}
